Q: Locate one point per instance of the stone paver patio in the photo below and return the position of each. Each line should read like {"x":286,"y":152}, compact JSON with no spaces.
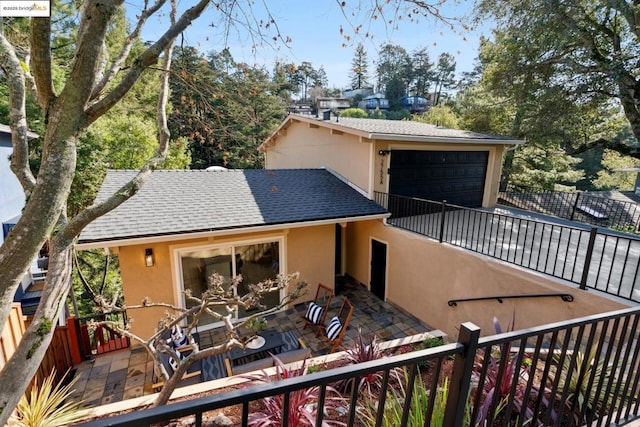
{"x":128,"y":373}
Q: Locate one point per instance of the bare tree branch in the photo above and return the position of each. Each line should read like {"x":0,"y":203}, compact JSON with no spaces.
{"x":146,"y":59}
{"x":41,"y":61}
{"x":126,"y":49}
{"x":214,"y":297}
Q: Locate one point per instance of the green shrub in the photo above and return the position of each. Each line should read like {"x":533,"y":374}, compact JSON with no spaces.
{"x":357,"y":113}
{"x":431,"y":342}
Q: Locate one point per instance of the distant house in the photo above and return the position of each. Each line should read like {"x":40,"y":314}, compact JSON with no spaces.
{"x":373,"y":102}
{"x":416,"y":104}
{"x":362,"y":92}
{"x":332,"y":103}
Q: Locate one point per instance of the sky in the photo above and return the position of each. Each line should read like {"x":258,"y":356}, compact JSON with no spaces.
{"x":314,"y":30}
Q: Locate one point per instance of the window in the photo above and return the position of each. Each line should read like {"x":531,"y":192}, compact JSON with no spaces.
{"x":254,"y":261}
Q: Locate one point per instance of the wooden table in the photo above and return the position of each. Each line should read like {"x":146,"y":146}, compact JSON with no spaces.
{"x":273,"y":344}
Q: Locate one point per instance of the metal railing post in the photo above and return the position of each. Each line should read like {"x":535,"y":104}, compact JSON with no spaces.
{"x":460,"y":384}
{"x":444,"y":209}
{"x":587,"y":259}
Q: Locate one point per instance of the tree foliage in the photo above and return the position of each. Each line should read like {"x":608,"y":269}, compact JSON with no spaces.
{"x":224,"y":109}
{"x":609,"y":177}
{"x":577,"y":51}
{"x":439,"y":115}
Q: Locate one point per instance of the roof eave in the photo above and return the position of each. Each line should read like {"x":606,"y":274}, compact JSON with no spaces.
{"x":139,"y":240}
{"x":416,"y":138}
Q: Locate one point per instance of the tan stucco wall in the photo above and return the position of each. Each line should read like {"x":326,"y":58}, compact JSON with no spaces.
{"x":307,"y":147}
{"x":309,"y":251}
{"x":356,"y":159}
{"x":422,"y":275}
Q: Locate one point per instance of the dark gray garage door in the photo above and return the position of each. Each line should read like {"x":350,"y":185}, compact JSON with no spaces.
{"x":455,"y":176}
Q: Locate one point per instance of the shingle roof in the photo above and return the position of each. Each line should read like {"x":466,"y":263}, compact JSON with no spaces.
{"x":410,"y":128}
{"x":179,"y":201}
{"x":395,"y":129}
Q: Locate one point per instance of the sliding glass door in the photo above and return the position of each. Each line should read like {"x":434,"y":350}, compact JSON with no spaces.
{"x":255,"y":262}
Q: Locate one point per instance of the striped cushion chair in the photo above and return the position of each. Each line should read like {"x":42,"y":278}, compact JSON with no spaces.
{"x":317,"y":310}
{"x":335,"y":330}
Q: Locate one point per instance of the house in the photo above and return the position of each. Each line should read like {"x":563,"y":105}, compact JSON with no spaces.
{"x":416,"y":104}
{"x":311,"y":211}
{"x":11,"y":194}
{"x":374,"y":101}
{"x":398,"y":157}
{"x":331,"y":103}
{"x":252,"y":222}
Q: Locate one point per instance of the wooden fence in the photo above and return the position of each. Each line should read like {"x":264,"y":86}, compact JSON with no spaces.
{"x":11,"y":334}
{"x":58,"y":356}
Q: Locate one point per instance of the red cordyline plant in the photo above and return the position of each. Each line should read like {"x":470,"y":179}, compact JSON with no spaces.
{"x":496,"y":389}
{"x":360,"y":352}
{"x":302,"y":403}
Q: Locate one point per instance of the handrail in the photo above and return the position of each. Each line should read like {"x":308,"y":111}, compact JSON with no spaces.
{"x":500,"y":298}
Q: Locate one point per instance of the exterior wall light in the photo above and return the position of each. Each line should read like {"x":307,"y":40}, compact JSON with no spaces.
{"x":148,"y":257}
{"x":384,"y":152}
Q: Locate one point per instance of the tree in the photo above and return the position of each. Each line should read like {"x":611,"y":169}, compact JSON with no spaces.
{"x":439,"y":115}
{"x":213,"y":299}
{"x":92,"y":85}
{"x":357,"y":113}
{"x":394,"y":63}
{"x":306,"y":76}
{"x":423,"y":73}
{"x":584,"y":51}
{"x":395,"y":89}
{"x":609,"y":177}
{"x":359,"y":68}
{"x":444,"y":74}
{"x":223,"y":108}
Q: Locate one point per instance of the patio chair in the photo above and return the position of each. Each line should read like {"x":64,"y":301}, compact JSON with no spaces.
{"x":317,"y":311}
{"x":335,"y":330}
{"x":183,"y":345}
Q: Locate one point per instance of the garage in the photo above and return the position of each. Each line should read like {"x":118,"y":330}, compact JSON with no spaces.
{"x":455,"y":176}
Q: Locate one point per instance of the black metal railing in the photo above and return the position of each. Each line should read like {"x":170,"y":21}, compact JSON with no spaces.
{"x":580,"y":372}
{"x":98,"y":338}
{"x":576,"y":206}
{"x":592,"y":258}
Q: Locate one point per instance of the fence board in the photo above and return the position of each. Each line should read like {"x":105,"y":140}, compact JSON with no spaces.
{"x":58,"y":355}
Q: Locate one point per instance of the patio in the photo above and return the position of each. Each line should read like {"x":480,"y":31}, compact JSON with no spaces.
{"x":126,"y":374}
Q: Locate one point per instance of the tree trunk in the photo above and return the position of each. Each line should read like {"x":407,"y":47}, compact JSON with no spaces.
{"x":41,"y":211}
{"x":19,"y":370}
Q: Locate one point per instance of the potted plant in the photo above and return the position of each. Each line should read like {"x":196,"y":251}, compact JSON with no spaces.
{"x":257,"y":324}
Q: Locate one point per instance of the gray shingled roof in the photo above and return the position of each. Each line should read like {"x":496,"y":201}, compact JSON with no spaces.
{"x":396,"y":130}
{"x":410,"y":128}
{"x":179,"y":202}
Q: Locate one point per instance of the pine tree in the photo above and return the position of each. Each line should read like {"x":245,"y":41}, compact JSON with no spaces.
{"x":359,"y":68}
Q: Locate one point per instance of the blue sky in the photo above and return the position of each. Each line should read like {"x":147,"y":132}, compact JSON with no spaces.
{"x":314,"y":29}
